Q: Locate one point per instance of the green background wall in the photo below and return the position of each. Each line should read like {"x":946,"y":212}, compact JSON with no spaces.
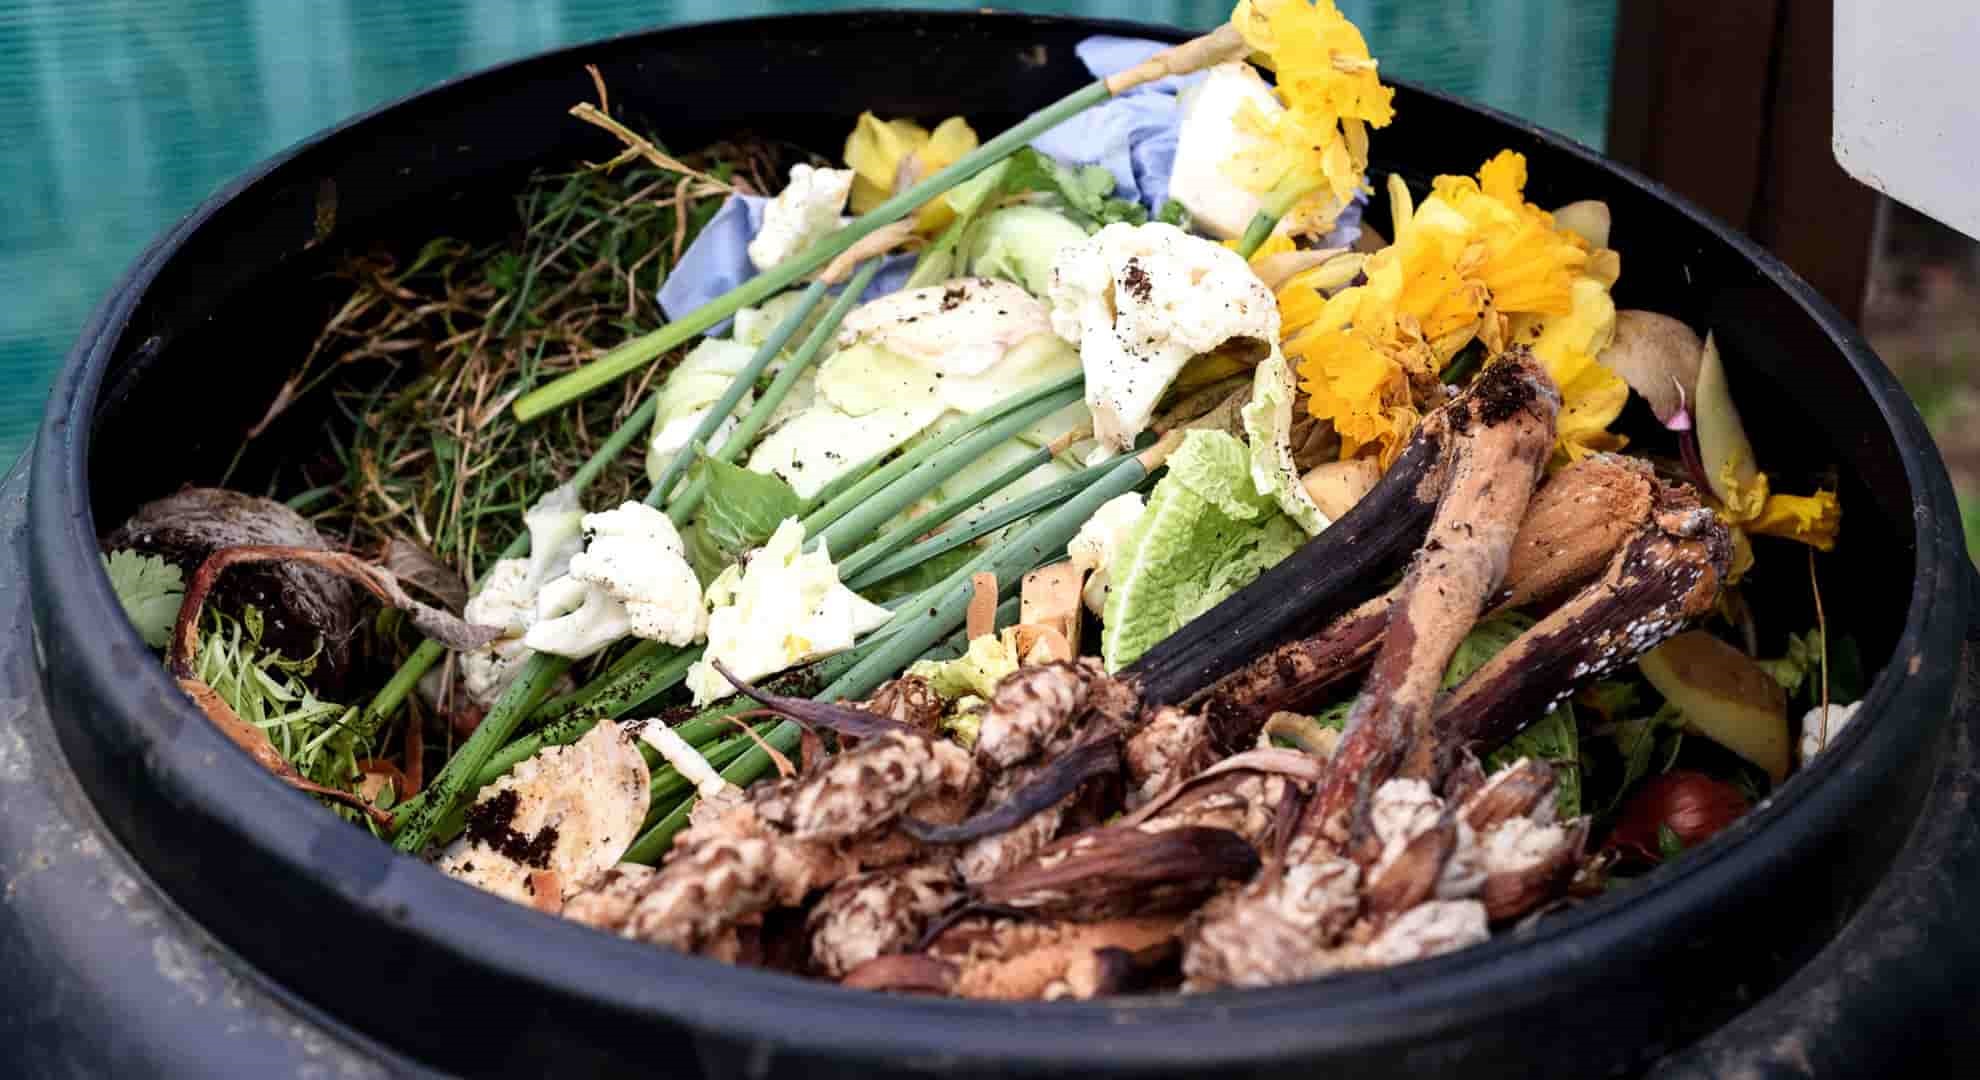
{"x":118,"y":116}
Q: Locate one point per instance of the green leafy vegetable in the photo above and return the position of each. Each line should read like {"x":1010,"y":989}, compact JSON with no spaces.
{"x":974,"y":673}
{"x":1020,"y":244}
{"x":150,"y":590}
{"x":1174,"y":213}
{"x":1206,"y":534}
{"x":1637,"y":742}
{"x":1268,"y":424}
{"x":1802,"y":659}
{"x":1086,"y":191}
{"x":740,"y":512}
{"x":1669,"y":844}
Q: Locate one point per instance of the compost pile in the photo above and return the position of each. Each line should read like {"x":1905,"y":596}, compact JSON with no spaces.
{"x":1096,"y":567}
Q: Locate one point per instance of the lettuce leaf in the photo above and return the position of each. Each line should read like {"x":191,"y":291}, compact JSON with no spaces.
{"x":975,"y":673}
{"x":1206,"y":534}
{"x":1554,"y":739}
{"x":1268,"y":424}
{"x":741,"y":510}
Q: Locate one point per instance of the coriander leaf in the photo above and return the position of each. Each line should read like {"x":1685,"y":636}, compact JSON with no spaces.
{"x":1802,"y":658}
{"x":1173,"y":213}
{"x":1086,"y":192}
{"x":150,"y":590}
{"x":741,"y":510}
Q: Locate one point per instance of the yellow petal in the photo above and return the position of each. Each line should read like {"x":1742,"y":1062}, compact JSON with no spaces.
{"x":1811,"y":519}
{"x":874,"y":151}
{"x":1504,"y":177}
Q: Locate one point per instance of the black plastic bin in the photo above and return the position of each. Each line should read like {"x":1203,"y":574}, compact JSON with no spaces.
{"x":389,"y":965}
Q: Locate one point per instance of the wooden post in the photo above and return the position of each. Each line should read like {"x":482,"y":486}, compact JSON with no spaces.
{"x":1729,"y":104}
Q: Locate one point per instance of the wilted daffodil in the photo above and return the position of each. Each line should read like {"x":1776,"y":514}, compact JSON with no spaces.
{"x":1742,"y":490}
{"x":1474,"y":260}
{"x":887,"y":156}
{"x":1331,"y":95}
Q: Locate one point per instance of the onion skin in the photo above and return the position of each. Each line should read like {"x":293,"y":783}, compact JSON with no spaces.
{"x":1695,"y":807}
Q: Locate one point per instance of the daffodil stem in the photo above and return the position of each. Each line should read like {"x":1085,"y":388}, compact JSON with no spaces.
{"x":633,"y":354}
{"x":726,"y":404}
{"x":879,"y":479}
{"x":1256,"y":233}
{"x":752,"y":424}
{"x":863,"y":521}
{"x":942,"y":543}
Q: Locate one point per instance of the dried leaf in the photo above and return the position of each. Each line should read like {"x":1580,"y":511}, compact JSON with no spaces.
{"x":418,"y":567}
{"x":839,"y":719}
{"x":1059,"y":778}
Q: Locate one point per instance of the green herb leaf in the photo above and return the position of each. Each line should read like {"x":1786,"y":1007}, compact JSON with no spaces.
{"x":1173,"y":213}
{"x":150,"y":590}
{"x":740,"y":512}
{"x":1086,"y":192}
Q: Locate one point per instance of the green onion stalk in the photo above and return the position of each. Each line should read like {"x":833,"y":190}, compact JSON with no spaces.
{"x":936,"y":613}
{"x":1221,"y":44}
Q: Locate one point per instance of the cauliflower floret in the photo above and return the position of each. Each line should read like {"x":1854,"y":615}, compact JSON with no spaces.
{"x":781,"y":607}
{"x":807,"y":209}
{"x":1094,"y":547}
{"x":1140,"y":301}
{"x":632,"y":577}
{"x":1208,"y":135}
{"x":959,"y":329}
{"x":1812,"y":737}
{"x":507,"y":598}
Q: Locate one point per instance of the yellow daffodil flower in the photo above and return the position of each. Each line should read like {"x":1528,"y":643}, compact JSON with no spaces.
{"x":1592,"y":396}
{"x":1750,"y":507}
{"x":1329,"y":87}
{"x":887,"y":156}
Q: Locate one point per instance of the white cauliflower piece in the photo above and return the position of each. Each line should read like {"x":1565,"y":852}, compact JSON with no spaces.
{"x":805,"y":211}
{"x":1093,"y":548}
{"x":1813,"y":740}
{"x":507,"y":598}
{"x":959,"y":329}
{"x":781,"y":607}
{"x":569,"y":810}
{"x":1141,"y":301}
{"x":556,"y":534}
{"x":1208,"y":135}
{"x":632,"y":577}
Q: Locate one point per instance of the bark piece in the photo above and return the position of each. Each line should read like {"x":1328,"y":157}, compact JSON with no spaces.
{"x":986,"y":858}
{"x":1528,"y":864}
{"x":1171,"y":747}
{"x":1013,"y":960}
{"x":1507,"y":430}
{"x":606,"y":901}
{"x":1670,"y":572}
{"x":910,"y":702}
{"x":1030,"y":708}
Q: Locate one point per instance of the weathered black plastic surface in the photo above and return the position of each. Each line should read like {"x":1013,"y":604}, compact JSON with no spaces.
{"x":463,"y":980}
